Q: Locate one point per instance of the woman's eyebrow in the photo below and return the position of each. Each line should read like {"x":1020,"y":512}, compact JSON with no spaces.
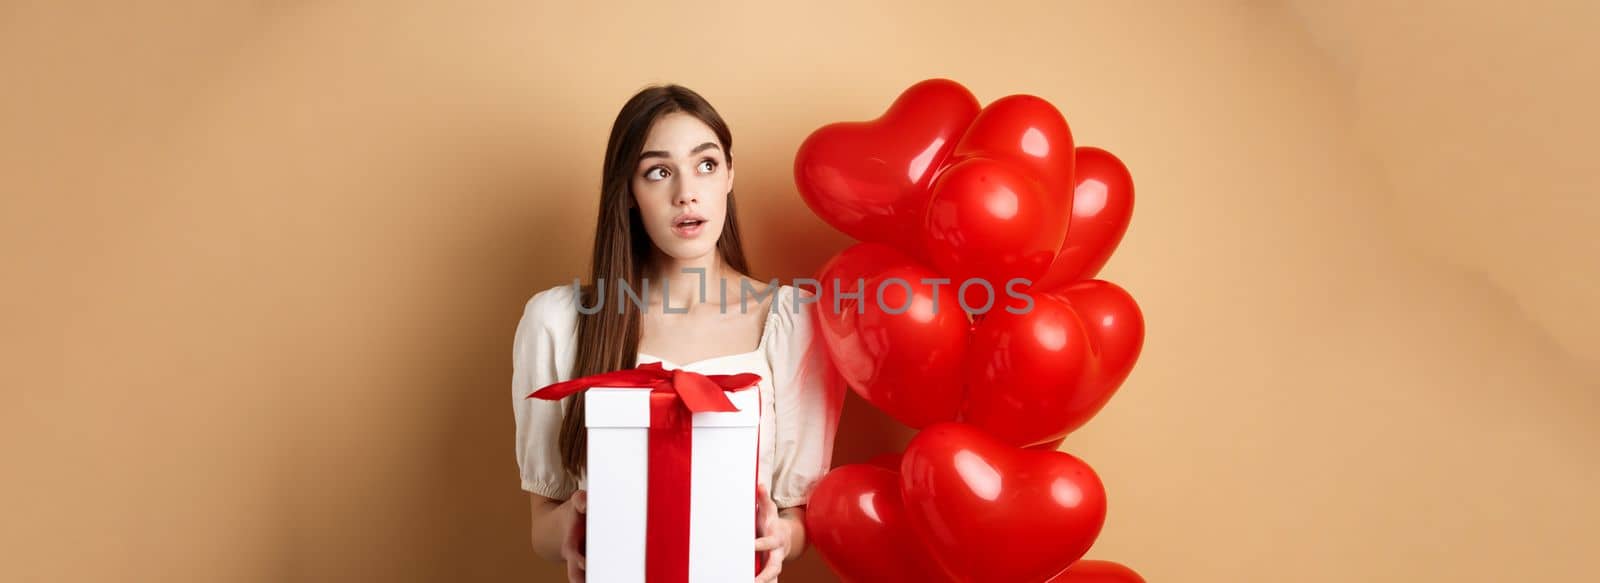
{"x":663,"y":153}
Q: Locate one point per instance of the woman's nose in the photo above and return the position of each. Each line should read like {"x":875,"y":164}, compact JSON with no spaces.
{"x":685,"y":195}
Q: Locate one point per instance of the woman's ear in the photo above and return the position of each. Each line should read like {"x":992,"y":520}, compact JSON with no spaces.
{"x":730,"y":180}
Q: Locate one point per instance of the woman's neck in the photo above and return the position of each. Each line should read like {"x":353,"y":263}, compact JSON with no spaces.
{"x":690,"y":282}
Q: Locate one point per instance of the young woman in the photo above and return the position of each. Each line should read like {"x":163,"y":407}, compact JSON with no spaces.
{"x":667,"y":216}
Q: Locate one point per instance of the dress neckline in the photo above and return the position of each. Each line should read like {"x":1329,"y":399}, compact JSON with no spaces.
{"x":761,"y":345}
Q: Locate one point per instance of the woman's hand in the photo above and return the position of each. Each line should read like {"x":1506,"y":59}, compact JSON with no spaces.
{"x":776,"y":536}
{"x":572,"y":549}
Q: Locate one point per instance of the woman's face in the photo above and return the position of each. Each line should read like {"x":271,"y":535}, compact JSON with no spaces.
{"x":681,"y":186}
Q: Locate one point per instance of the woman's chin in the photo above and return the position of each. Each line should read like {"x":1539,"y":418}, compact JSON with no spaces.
{"x":690,"y":251}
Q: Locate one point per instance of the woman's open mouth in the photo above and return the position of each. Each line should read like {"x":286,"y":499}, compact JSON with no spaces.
{"x":688,"y":226}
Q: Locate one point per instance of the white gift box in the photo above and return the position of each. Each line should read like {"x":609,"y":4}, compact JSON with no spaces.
{"x":722,"y":511}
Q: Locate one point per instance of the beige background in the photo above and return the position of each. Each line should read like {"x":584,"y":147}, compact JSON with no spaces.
{"x":263,"y":261}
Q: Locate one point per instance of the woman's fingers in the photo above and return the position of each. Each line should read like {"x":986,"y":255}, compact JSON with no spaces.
{"x":577,"y":564}
{"x":768,"y":543}
{"x":761,"y":500}
{"x":767,"y":509}
{"x":769,"y":573}
{"x":573,"y":556}
{"x":765,"y":500}
{"x":572,"y":549}
{"x":771,"y":541}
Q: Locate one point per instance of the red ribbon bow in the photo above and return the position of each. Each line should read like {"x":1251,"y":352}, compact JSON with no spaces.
{"x":670,"y":450}
{"x":698,"y":392}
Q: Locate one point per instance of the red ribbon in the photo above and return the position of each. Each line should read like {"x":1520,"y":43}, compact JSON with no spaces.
{"x":674,"y":396}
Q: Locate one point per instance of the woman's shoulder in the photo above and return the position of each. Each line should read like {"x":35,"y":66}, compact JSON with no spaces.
{"x":555,"y":308}
{"x":793,"y":291}
{"x":795,"y":343}
{"x":791,"y":309}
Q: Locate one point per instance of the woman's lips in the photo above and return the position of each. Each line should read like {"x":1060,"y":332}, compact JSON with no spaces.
{"x":689,"y":230}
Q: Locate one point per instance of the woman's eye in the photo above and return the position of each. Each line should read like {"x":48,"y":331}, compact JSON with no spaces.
{"x":656,"y":173}
{"x":708,"y":166}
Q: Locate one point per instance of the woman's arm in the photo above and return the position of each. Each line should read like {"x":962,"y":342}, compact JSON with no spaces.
{"x":796,"y":516}
{"x":553,"y":523}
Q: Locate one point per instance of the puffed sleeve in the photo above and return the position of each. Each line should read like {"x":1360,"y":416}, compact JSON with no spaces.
{"x":542,"y":354}
{"x":808,"y":395}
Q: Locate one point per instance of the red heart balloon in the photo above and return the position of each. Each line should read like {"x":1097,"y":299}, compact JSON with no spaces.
{"x":1102,"y":205}
{"x":1025,"y":372}
{"x":1116,"y":334}
{"x":839,"y":313}
{"x":991,"y":219}
{"x":856,"y":519}
{"x":988,"y":511}
{"x":1003,"y":223}
{"x":1038,"y":376}
{"x":872,"y":179}
{"x":907,"y":364}
{"x":1087,"y":571}
{"x":1029,"y":131}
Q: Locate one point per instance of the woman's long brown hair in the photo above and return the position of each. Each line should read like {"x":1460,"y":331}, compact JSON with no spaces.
{"x":609,"y":338}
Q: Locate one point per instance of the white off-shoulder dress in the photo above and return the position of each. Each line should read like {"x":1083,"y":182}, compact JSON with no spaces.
{"x":800,"y":394}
